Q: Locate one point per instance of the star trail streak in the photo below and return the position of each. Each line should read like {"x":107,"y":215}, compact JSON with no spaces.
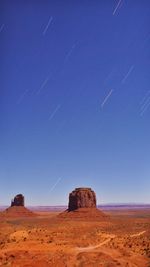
{"x":43,"y":85}
{"x":128,"y":73}
{"x":53,"y":187}
{"x":106,"y":98}
{"x":47,"y":26}
{"x":54,"y":112}
{"x":117,"y":6}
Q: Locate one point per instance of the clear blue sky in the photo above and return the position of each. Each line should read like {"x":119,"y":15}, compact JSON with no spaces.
{"x":75,"y":100}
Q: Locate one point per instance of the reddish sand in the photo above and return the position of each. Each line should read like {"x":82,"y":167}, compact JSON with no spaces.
{"x":48,"y":240}
{"x":83,"y":213}
{"x":17,"y":211}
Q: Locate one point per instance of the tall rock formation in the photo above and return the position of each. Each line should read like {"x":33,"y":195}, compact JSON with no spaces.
{"x":82,"y":206}
{"x":82,"y":197}
{"x":18,"y":200}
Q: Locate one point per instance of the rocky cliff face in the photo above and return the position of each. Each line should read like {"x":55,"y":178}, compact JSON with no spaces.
{"x":82,"y":206}
{"x":18,"y":200}
{"x":82,"y":198}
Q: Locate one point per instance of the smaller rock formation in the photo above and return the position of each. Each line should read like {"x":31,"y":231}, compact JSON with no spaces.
{"x":18,"y":200}
{"x":17,"y":208}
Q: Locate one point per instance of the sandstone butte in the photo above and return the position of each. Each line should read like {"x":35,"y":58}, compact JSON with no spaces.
{"x":17,"y":208}
{"x":18,"y":200}
{"x":82,"y":204}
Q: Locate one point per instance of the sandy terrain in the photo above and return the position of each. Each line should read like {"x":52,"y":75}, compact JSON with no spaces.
{"x":47,"y":240}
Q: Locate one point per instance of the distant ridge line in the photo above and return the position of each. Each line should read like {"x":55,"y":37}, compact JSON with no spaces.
{"x":109,"y":206}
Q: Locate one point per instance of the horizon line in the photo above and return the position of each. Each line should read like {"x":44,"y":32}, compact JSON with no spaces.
{"x":103,"y":204}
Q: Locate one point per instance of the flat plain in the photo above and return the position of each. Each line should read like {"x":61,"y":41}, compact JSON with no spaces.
{"x":47,"y":240}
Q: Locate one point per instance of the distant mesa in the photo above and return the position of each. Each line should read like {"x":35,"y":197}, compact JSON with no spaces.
{"x":18,"y":200}
{"x":82,"y":205}
{"x":17,"y":208}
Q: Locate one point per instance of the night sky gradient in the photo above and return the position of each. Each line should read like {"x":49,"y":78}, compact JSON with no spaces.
{"x":75,"y":100}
